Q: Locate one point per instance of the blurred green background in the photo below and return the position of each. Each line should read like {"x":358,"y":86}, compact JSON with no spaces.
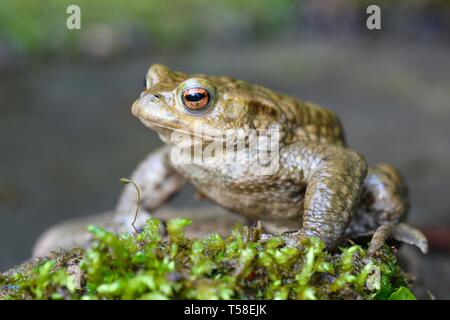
{"x":35,"y":28}
{"x":67,"y":135}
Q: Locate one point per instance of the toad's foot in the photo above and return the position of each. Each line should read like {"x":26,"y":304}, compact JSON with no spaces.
{"x":290,"y":238}
{"x":407,"y":234}
{"x":401,"y":232}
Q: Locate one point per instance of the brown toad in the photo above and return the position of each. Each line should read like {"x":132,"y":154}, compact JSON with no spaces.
{"x":320,"y":187}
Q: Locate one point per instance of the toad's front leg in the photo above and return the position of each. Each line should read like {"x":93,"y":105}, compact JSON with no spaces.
{"x":334,"y":178}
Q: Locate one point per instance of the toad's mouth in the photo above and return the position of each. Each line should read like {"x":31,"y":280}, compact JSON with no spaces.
{"x":166,"y":131}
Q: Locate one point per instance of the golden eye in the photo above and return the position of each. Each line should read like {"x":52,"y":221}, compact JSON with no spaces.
{"x":196,"y":98}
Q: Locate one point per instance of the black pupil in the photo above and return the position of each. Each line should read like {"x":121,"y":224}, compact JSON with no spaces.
{"x":195,"y":97}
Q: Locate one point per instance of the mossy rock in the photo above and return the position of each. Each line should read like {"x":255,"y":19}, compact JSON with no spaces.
{"x":163,"y":263}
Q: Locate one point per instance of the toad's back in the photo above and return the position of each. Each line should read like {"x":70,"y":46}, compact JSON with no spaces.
{"x":302,"y":119}
{"x":315,"y":123}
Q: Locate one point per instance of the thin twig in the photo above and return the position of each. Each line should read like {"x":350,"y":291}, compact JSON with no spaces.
{"x":138,"y":205}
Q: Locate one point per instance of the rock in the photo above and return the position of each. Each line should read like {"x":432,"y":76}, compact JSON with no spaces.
{"x":73,"y":233}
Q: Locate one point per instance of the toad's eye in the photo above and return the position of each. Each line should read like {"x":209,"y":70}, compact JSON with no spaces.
{"x":196,"y":99}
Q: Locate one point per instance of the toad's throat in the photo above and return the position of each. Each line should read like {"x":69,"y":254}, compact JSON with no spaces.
{"x":170,"y":130}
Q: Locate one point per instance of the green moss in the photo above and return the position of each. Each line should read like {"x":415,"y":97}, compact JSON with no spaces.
{"x":241,"y":266}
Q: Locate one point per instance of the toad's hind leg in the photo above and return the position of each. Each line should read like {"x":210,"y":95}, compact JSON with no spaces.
{"x":385,"y":196}
{"x":334,"y":177}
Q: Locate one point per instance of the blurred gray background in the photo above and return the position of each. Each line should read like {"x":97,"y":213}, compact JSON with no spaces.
{"x":67,"y":134}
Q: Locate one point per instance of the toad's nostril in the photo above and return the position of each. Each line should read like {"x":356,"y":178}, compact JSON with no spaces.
{"x":154,"y":97}
{"x":149,"y":99}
